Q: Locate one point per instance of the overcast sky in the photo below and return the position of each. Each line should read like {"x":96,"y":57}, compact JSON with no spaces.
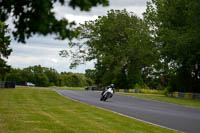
{"x":44,"y":51}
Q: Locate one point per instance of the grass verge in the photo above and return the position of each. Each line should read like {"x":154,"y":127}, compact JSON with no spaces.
{"x":69,"y":88}
{"x":44,"y":111}
{"x":149,"y":91}
{"x":163,"y":98}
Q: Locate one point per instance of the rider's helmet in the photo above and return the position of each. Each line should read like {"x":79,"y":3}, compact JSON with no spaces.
{"x":112,"y":85}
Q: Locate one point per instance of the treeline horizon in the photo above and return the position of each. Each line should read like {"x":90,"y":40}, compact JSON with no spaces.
{"x":45,"y":76}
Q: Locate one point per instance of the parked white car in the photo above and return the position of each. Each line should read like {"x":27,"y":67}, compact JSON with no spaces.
{"x":30,"y":84}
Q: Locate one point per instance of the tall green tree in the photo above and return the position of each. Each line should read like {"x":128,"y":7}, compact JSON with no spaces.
{"x":37,"y":17}
{"x":90,"y":73}
{"x":16,"y":76}
{"x":5,"y":50}
{"x":52,"y":75}
{"x":75,"y":79}
{"x":120,"y":43}
{"x":175,"y":27}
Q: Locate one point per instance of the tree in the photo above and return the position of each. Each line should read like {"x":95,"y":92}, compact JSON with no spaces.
{"x":4,"y":49}
{"x":75,"y":79}
{"x":15,"y":75}
{"x":120,"y":43}
{"x":37,"y":17}
{"x":35,"y":74}
{"x":175,"y":27}
{"x":52,"y":75}
{"x":89,"y":73}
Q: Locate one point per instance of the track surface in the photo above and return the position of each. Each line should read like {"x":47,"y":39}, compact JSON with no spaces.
{"x":173,"y":116}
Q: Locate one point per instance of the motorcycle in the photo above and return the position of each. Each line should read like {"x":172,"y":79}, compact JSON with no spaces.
{"x":107,"y":94}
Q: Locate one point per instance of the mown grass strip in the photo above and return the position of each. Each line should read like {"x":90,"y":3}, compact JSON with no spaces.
{"x":44,"y":111}
{"x":69,"y":88}
{"x":163,"y":98}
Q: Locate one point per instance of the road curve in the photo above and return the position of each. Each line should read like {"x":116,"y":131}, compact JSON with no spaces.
{"x":185,"y":119}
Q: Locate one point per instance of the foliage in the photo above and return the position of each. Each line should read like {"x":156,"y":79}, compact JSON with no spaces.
{"x":53,"y":76}
{"x":89,"y":73}
{"x":175,"y":27}
{"x":43,"y":76}
{"x":38,"y":17}
{"x":74,"y":80}
{"x":137,"y":87}
{"x":5,"y":51}
{"x":121,"y":45}
{"x":168,"y":90}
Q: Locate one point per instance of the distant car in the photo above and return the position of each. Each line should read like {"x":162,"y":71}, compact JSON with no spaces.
{"x":30,"y":84}
{"x":92,"y":88}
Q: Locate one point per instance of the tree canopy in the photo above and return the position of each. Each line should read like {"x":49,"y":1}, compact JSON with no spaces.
{"x":5,"y":50}
{"x":175,"y":27}
{"x":37,"y":17}
{"x":120,"y":43}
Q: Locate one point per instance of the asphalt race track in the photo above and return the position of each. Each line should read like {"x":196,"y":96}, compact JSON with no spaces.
{"x":172,"y":116}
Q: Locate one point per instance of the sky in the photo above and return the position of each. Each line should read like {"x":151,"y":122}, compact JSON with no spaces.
{"x":44,"y":50}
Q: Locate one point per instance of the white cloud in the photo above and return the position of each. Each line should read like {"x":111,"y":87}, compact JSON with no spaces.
{"x":80,"y":19}
{"x":125,"y":3}
{"x":136,"y":6}
{"x":53,"y":60}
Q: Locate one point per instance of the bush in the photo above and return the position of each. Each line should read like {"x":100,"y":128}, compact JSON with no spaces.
{"x":146,"y":86}
{"x":159,"y":87}
{"x":51,"y":84}
{"x":137,"y":87}
{"x":168,"y":90}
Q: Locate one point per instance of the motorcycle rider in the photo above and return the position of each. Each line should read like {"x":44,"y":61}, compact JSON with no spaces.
{"x":111,"y":86}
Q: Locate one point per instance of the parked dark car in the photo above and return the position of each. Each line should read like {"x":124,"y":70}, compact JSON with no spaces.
{"x":93,"y":88}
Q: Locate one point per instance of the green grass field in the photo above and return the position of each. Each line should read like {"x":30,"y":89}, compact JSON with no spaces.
{"x":44,"y":111}
{"x":163,"y":98}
